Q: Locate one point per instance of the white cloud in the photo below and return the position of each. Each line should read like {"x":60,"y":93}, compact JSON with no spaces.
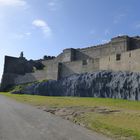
{"x":20,"y":36}
{"x":13,"y":3}
{"x":107,"y":32}
{"x":104,"y":41}
{"x":118,"y":18}
{"x":43,"y":26}
{"x":54,"y":5}
{"x":138,"y":26}
{"x":28,"y":33}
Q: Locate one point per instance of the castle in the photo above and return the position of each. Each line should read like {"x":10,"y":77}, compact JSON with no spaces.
{"x":122,"y":53}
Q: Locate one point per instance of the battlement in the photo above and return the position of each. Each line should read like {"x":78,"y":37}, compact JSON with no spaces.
{"x":119,"y":38}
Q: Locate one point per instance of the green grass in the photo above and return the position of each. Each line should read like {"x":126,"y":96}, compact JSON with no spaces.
{"x":124,"y":124}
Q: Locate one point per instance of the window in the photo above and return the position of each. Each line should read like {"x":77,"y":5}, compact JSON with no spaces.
{"x":129,"y":54}
{"x":118,"y":57}
{"x":84,"y":62}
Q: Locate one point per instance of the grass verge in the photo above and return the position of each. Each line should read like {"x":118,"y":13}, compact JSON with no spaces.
{"x":117,"y":118}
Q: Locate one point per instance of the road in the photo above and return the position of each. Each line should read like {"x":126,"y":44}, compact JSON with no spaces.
{"x":24,"y":122}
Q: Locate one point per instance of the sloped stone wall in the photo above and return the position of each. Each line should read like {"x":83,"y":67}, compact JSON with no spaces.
{"x":105,"y":84}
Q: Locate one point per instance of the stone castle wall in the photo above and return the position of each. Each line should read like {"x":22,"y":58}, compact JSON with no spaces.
{"x":71,"y":61}
{"x":38,"y":75}
{"x":14,"y":77}
{"x":17,"y":65}
{"x":80,"y":66}
{"x":129,"y":61}
{"x":20,"y":71}
{"x":116,"y":45}
{"x":13,"y":67}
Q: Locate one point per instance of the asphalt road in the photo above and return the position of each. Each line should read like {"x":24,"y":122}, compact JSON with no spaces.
{"x":23,"y":122}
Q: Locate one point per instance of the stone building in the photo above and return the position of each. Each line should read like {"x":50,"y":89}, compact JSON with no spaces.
{"x":122,"y":53}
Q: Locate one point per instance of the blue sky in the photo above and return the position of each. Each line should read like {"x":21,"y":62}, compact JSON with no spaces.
{"x":46,"y":27}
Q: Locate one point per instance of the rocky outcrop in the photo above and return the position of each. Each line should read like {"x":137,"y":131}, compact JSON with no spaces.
{"x":106,"y":84}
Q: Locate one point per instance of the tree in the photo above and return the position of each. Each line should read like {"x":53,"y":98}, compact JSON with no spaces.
{"x":45,"y":57}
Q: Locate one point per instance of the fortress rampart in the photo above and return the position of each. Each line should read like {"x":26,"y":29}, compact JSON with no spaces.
{"x":120,"y":54}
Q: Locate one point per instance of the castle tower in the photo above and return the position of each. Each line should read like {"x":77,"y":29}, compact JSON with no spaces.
{"x":69,"y":55}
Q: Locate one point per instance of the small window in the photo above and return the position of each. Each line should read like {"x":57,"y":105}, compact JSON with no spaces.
{"x":84,"y":62}
{"x":118,"y":57}
{"x":129,"y":54}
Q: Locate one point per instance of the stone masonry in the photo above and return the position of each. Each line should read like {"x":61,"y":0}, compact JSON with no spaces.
{"x":122,"y":53}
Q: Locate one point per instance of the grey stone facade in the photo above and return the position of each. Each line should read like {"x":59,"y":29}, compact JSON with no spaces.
{"x":122,"y":53}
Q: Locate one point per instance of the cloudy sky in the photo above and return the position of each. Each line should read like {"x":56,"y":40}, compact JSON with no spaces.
{"x":46,"y":27}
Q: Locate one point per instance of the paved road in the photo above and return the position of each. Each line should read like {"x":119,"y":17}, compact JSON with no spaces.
{"x":23,"y":122}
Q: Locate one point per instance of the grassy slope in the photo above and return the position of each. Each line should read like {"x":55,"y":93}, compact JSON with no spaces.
{"x":122,"y":124}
